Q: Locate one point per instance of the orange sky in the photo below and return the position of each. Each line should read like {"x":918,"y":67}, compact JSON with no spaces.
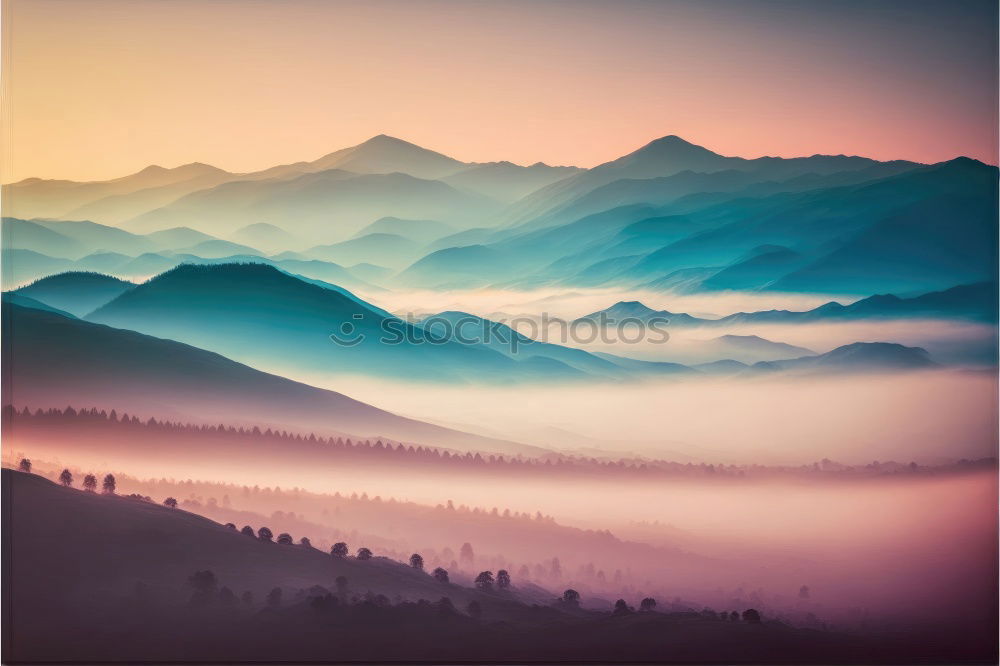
{"x":99,"y":88}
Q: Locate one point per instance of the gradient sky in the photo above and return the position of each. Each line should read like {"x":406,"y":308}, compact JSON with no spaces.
{"x":95,"y":89}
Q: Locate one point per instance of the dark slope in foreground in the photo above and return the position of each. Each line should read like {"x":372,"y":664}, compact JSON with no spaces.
{"x":50,"y":360}
{"x":105,"y":579}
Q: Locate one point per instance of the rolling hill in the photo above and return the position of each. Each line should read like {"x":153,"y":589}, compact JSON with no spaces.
{"x":855,"y":357}
{"x":260,"y":315}
{"x":52,"y":360}
{"x":76,"y":293}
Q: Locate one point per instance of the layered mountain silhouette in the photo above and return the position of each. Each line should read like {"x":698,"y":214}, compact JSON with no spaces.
{"x":264,"y":236}
{"x":671,"y":215}
{"x":974,"y":302}
{"x":855,"y":357}
{"x":261,"y":315}
{"x":715,"y":242}
{"x":51,"y":360}
{"x":508,"y":182}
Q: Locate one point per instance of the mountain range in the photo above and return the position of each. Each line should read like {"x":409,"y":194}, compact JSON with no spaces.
{"x":258,"y":315}
{"x":974,"y":302}
{"x":670,"y":216}
{"x":52,"y":360}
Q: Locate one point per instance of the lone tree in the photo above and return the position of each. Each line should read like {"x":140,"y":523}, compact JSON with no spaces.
{"x":231,"y":526}
{"x":416,"y":561}
{"x":751,"y":616}
{"x":474,"y":609}
{"x":66,"y":478}
{"x":445,"y":606}
{"x":364,"y":554}
{"x":247,"y":530}
{"x":571,"y":597}
{"x":465,"y":554}
{"x":440,"y":575}
{"x":503,"y":579}
{"x":274,"y":597}
{"x":109,"y":484}
{"x":203,"y":582}
{"x":804,"y":592}
{"x":90,"y":483}
{"x":621,"y":608}
{"x":264,"y":534}
{"x":227,"y":597}
{"x":171,"y":502}
{"x":285,"y":539}
{"x":647,"y":604}
{"x":484,"y":581}
{"x":304,"y":541}
{"x":339,"y":549}
{"x":24,"y":465}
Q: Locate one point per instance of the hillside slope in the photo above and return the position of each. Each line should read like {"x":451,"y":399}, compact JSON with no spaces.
{"x":50,"y":360}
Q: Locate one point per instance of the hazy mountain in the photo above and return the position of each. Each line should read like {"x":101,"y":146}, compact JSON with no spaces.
{"x":740,"y":347}
{"x":975,"y":301}
{"x":117,"y":208}
{"x":76,"y":293}
{"x":419,"y":231}
{"x":35,"y":197}
{"x":932,"y":243}
{"x":35,"y":237}
{"x":214,"y":249}
{"x":370,"y":272}
{"x":148,"y":264}
{"x":377,"y":248}
{"x":855,"y":357}
{"x":102,"y":262}
{"x":643,"y":242}
{"x":469,"y":266}
{"x":265,"y":236}
{"x":759,"y":268}
{"x":178,"y":237}
{"x":865,"y":227}
{"x":51,"y":360}
{"x":625,"y":310}
{"x":672,"y":155}
{"x":683,"y":280}
{"x":317,"y":207}
{"x":22,"y":266}
{"x":506,"y":181}
{"x":257,"y":314}
{"x":386,"y":154}
{"x":725,"y":367}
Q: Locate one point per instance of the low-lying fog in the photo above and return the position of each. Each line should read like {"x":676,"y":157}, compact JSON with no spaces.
{"x":921,"y":416}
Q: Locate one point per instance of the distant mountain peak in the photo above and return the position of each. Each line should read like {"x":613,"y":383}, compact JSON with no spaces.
{"x":673,"y":142}
{"x":388,"y":154}
{"x":387,"y":140}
